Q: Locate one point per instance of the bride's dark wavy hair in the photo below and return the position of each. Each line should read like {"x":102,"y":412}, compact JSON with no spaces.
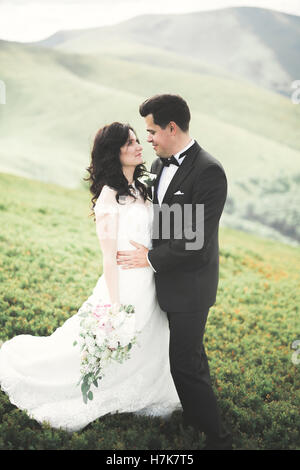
{"x":105,"y":167}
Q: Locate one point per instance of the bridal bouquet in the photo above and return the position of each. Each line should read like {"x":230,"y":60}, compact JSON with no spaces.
{"x":106,"y":334}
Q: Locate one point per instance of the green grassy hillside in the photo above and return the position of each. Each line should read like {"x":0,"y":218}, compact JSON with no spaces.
{"x":50,"y":261}
{"x":56,"y":102}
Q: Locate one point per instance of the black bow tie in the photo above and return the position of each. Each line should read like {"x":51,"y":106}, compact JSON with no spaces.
{"x":171,"y":161}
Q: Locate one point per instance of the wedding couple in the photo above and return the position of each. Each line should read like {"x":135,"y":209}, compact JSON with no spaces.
{"x":171,"y":287}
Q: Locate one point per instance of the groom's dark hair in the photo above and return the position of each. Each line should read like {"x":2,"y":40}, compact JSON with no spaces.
{"x":166,"y":108}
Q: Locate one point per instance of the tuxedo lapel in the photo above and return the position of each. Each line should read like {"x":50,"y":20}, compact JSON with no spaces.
{"x":185,"y":168}
{"x":160,"y":167}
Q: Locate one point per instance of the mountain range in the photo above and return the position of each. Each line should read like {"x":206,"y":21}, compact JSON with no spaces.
{"x":61,"y":90}
{"x":254,"y":43}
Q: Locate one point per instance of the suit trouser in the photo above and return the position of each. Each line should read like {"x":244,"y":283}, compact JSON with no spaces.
{"x":190,"y":372}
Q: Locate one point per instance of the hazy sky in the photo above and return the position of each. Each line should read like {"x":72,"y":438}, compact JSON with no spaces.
{"x":31,"y":20}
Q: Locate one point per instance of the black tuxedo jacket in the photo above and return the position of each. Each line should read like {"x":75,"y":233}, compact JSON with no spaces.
{"x":187,"y":280}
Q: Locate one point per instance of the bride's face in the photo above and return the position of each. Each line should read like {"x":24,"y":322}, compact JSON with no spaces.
{"x":131,"y":152}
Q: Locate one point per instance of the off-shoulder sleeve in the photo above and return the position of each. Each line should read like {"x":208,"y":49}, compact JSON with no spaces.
{"x":106,"y":202}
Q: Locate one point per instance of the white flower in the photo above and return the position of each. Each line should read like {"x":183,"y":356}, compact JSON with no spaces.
{"x":98,"y":353}
{"x":106,"y":355}
{"x":84,"y":369}
{"x":92,"y":361}
{"x":126,"y":331}
{"x":92,"y":349}
{"x":148,"y":179}
{"x":118,"y":319}
{"x":100,"y":337}
{"x":89,"y":341}
{"x":112,"y":341}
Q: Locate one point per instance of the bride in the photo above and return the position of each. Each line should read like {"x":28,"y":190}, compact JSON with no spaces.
{"x":40,"y":374}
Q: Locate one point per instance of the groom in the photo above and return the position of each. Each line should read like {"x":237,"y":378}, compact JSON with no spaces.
{"x":186,"y":271}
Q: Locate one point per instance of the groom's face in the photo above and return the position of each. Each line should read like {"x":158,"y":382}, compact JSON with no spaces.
{"x":159,"y":138}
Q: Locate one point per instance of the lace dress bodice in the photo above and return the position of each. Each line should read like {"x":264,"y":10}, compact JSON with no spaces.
{"x":134,"y":217}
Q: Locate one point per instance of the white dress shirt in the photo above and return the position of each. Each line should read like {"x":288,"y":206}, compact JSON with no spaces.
{"x":168,"y":173}
{"x":166,"y":177}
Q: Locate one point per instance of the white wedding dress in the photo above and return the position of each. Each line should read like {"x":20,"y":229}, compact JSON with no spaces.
{"x":40,"y":374}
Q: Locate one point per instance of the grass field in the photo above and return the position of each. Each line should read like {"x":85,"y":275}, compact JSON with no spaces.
{"x":50,"y":261}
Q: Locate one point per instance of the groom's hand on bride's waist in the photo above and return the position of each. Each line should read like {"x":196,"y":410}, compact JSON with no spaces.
{"x":133,"y":258}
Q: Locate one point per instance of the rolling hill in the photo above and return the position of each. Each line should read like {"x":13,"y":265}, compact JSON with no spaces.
{"x":57,"y":100}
